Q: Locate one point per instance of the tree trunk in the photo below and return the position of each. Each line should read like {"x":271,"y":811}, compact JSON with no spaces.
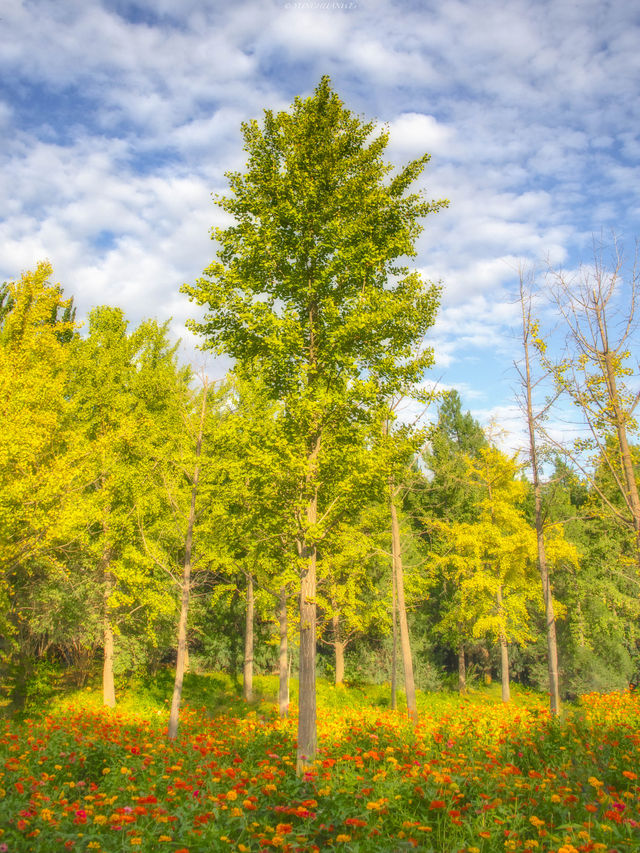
{"x":181,"y":658}
{"x":108,"y":684}
{"x":394,"y":648}
{"x":339,"y":646}
{"x":462,"y":669}
{"x":283,"y":663}
{"x":550,"y":619}
{"x":504,"y":655}
{"x":247,"y":680}
{"x":405,"y":643}
{"x":307,"y":732}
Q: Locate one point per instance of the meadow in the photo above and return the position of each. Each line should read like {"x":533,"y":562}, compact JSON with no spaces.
{"x":474,"y":776}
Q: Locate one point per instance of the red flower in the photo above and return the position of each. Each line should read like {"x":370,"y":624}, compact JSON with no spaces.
{"x":436,"y":804}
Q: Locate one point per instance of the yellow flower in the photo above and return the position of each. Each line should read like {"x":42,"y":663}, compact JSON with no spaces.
{"x":124,"y":770}
{"x":343,"y":839}
{"x":164,"y":838}
{"x":232,"y":795}
{"x":100,"y":819}
{"x":93,"y":845}
{"x":135,"y":842}
{"x":236,"y":812}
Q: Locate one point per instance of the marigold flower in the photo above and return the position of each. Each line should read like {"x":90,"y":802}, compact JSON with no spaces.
{"x":343,"y":839}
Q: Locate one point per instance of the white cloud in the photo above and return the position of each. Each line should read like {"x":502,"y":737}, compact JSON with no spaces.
{"x":417,"y":133}
{"x":117,"y":132}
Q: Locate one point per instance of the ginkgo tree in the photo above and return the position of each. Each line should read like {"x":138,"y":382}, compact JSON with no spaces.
{"x":36,"y":325}
{"x":123,"y":385}
{"x":492,"y":560}
{"x":309,"y":293}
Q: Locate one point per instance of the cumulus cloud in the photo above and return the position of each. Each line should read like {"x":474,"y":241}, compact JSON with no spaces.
{"x":119,"y":121}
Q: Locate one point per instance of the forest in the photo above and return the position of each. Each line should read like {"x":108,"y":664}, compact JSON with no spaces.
{"x":321,"y":516}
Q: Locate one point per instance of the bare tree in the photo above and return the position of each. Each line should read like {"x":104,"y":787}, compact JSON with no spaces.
{"x":528,"y":384}
{"x":598,"y":306}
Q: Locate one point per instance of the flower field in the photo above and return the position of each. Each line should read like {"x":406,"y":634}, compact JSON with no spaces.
{"x":473,"y":776}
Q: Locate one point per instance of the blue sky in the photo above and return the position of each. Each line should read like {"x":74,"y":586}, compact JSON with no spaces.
{"x":119,"y":119}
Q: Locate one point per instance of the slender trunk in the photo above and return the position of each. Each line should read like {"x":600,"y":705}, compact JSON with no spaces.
{"x":486,"y":663}
{"x":338,"y":644}
{"x":504,"y":654}
{"x":462,"y":669}
{"x":307,"y":732}
{"x":550,"y":619}
{"x":405,"y":643}
{"x":283,"y":663}
{"x":247,"y":679}
{"x":394,"y":648}
{"x":108,"y":684}
{"x":552,"y":644}
{"x":185,"y":591}
{"x":182,"y":651}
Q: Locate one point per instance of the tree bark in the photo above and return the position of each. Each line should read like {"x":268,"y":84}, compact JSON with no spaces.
{"x":185,"y":590}
{"x":108,"y":683}
{"x":550,"y":619}
{"x":247,"y":673}
{"x":338,"y":643}
{"x":504,"y":655}
{"x":462,"y":669}
{"x":405,"y":642}
{"x":283,"y":663}
{"x":394,"y":648}
{"x":307,"y":731}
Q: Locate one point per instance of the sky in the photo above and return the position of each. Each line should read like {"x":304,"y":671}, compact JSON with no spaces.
{"x":119,"y":119}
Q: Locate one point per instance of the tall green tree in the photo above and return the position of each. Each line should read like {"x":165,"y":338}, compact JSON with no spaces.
{"x":449,"y":496}
{"x":124,"y":385}
{"x":308,"y":292}
{"x":36,"y":480}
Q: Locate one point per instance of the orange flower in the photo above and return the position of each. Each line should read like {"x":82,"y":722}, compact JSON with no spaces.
{"x":436,"y":804}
